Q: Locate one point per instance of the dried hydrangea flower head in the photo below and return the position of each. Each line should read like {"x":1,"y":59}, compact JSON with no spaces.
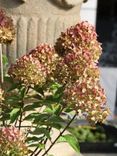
{"x":70,"y":69}
{"x":12,"y":142}
{"x":79,"y":38}
{"x":36,"y":67}
{"x":28,"y":70}
{"x":89,"y":98}
{"x":7,"y":31}
{"x":62,"y":73}
{"x":46,"y":55}
{"x":79,"y":51}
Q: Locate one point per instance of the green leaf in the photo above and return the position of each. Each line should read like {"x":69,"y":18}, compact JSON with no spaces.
{"x":37,"y":117}
{"x":14,"y":114}
{"x":57,"y":109}
{"x":22,"y":92}
{"x":31,"y":116}
{"x":54,"y":87}
{"x":49,"y":110}
{"x":59,"y":92}
{"x":56,"y":119}
{"x":71,"y":140}
{"x":50,"y":120}
{"x":39,"y":131}
{"x":50,"y":100}
{"x":32,"y":106}
{"x":53,"y":109}
{"x":68,"y":109}
{"x":54,"y":125}
{"x":34,"y":139}
{"x":39,"y":145}
{"x":41,"y":118}
{"x":28,"y":108}
{"x":38,"y":89}
{"x":33,"y":145}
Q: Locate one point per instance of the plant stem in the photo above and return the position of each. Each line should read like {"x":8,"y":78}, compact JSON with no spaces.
{"x":57,"y":137}
{"x":1,"y":66}
{"x":21,"y":109}
{"x":46,"y":138}
{"x":45,"y":141}
{"x":21,"y":115}
{"x":36,"y":150}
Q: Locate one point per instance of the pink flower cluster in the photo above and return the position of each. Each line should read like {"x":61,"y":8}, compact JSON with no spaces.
{"x":46,"y":55}
{"x":79,"y":52}
{"x":11,"y":138}
{"x":36,"y":67}
{"x":11,"y":134}
{"x":87,"y":97}
{"x":73,"y":64}
{"x":7,"y":31}
{"x":81,"y":39}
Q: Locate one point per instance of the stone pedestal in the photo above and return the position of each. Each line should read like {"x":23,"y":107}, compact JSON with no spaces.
{"x":38,"y":21}
{"x":108,"y":80}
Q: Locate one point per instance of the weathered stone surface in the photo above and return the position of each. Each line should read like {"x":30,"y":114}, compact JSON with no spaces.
{"x":38,"y":21}
{"x":108,"y":80}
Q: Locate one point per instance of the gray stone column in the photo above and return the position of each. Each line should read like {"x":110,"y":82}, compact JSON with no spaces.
{"x":38,"y":21}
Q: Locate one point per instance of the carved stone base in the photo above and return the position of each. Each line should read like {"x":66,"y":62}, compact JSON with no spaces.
{"x":38,"y":21}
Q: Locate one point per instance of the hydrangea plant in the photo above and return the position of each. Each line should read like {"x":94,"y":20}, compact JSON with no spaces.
{"x":7,"y":33}
{"x":46,"y":83}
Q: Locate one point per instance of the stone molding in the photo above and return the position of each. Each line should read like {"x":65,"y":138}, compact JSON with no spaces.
{"x":37,"y":21}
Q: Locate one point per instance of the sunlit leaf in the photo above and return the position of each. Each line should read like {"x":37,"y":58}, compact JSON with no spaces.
{"x":14,"y":114}
{"x":71,"y":140}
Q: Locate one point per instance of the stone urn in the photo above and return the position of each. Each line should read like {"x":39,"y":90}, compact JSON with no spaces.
{"x":38,"y":21}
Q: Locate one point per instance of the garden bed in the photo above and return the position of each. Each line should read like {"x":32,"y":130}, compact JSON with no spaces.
{"x":99,"y":139}
{"x":98,"y":147}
